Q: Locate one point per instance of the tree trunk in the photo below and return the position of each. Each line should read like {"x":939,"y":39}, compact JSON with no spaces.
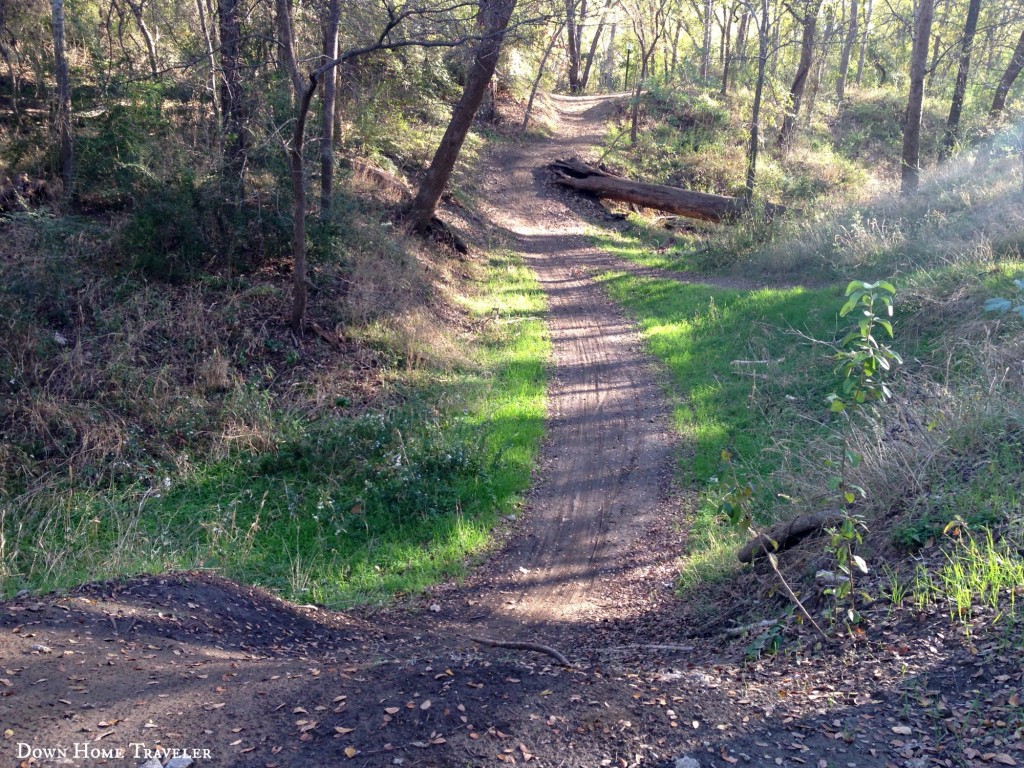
{"x":573,"y":49}
{"x":864,"y":40}
{"x":585,"y":79}
{"x":696,"y":205}
{"x":634,"y":118}
{"x":787,"y":534}
{"x":297,"y":167}
{"x":540,"y":74}
{"x":608,"y":65}
{"x":727,"y":58}
{"x":803,"y":70}
{"x":848,"y":43}
{"x":960,"y":89}
{"x":740,"y":47}
{"x":1006,"y":82}
{"x":675,"y":47}
{"x":208,"y":40}
{"x":330,"y":78}
{"x":755,"y":116}
{"x":705,"y":56}
{"x":286,"y":48}
{"x":147,"y":36}
{"x":232,"y":104}
{"x":911,"y":157}
{"x":63,"y":116}
{"x":494,"y":15}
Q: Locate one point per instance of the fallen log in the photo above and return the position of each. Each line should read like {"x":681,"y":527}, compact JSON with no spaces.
{"x":576,"y":174}
{"x":786,"y":535}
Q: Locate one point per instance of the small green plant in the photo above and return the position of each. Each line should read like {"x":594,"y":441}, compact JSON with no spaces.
{"x":863,"y":360}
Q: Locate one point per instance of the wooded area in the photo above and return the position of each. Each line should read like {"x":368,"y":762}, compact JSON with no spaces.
{"x":237,"y":77}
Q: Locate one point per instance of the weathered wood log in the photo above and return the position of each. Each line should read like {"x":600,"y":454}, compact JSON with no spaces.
{"x":786,"y":535}
{"x":576,"y":174}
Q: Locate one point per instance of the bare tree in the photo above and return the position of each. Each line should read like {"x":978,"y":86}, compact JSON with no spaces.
{"x":911,"y":157}
{"x":960,"y":89}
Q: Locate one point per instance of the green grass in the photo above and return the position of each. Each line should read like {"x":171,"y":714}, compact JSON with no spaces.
{"x":344,"y":510}
{"x":709,"y":339}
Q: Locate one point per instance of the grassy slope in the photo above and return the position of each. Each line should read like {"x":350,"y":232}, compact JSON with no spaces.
{"x":946,"y":449}
{"x":340,"y":510}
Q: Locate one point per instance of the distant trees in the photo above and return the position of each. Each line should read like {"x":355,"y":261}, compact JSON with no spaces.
{"x":242,"y":72}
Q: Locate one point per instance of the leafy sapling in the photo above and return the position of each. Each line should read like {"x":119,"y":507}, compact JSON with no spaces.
{"x":863,"y":362}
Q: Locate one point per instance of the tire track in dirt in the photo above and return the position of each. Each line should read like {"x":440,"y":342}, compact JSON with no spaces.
{"x":607,"y":463}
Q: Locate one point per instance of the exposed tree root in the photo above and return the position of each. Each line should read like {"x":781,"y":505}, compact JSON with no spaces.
{"x":523,"y":646}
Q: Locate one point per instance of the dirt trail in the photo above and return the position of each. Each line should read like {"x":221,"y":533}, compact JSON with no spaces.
{"x":608,"y":455}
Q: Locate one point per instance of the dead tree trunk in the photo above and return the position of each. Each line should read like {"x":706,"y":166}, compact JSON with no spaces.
{"x":575,"y":174}
{"x":494,"y":17}
{"x":787,"y":534}
{"x":960,"y":89}
{"x":63,"y":121}
{"x":911,"y":157}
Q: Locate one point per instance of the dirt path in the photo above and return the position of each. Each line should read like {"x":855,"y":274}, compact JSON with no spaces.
{"x":607,"y":460}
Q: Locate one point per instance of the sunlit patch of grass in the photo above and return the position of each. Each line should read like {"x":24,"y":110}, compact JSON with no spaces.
{"x":739,"y":382}
{"x":979,"y":571}
{"x":336,"y":509}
